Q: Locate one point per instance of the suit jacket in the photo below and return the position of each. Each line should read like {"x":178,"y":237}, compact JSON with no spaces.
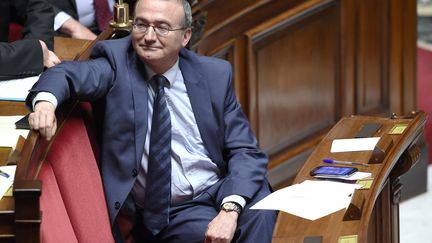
{"x":116,"y":76}
{"x":24,"y":58}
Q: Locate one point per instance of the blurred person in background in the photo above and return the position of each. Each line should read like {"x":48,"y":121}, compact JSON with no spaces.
{"x":29,"y":56}
{"x":83,"y":19}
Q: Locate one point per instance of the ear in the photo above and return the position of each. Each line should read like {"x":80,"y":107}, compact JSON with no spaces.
{"x":186,"y":36}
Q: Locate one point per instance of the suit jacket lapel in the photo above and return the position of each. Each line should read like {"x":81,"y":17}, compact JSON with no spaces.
{"x":199,"y":96}
{"x":140,"y":99}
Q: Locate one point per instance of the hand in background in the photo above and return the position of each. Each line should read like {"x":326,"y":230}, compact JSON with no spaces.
{"x":49,"y":58}
{"x":43,"y":119}
{"x":222,"y":228}
{"x":76,"y":30}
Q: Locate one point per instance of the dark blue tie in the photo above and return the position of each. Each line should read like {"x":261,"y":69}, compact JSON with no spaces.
{"x":158,"y":185}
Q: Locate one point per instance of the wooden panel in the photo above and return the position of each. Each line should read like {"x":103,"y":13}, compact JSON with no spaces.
{"x":296,"y":78}
{"x":227,"y":20}
{"x":300,"y":65}
{"x":372,"y":54}
{"x":234,"y":52}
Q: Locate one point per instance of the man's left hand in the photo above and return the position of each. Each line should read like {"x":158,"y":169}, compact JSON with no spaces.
{"x":222,"y":228}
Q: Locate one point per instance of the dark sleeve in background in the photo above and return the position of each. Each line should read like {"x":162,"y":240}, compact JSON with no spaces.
{"x":4,"y":20}
{"x":67,"y":6}
{"x":39,"y":21}
{"x":20,"y":59}
{"x":24,"y":58}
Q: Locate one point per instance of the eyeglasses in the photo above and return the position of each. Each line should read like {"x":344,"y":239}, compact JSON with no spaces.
{"x":159,"y":30}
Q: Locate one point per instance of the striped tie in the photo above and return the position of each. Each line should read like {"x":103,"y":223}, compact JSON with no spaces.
{"x":158,"y":185}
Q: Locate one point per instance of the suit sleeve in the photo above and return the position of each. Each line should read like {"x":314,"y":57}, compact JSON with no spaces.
{"x":246,"y":163}
{"x":20,"y":59}
{"x":84,"y":80}
{"x":39,"y":22}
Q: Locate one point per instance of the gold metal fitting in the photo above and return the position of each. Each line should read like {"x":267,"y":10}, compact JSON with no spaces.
{"x":121,"y":16}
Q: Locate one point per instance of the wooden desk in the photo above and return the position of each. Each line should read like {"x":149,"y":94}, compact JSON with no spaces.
{"x":66,"y":49}
{"x":374,"y":213}
{"x":74,"y":47}
{"x":19,"y":215}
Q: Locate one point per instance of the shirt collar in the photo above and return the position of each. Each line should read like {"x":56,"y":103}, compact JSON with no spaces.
{"x":170,"y":74}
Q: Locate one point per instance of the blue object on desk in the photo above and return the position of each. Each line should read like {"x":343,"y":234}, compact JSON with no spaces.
{"x":2,"y":173}
{"x":332,"y":161}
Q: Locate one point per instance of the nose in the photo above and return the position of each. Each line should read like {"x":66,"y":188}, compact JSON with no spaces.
{"x":150,"y":34}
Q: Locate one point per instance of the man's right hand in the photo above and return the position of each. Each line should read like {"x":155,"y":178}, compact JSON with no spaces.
{"x":43,"y":119}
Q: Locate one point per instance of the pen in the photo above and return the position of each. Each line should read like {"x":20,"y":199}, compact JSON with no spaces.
{"x":332,"y":161}
{"x":4,"y":174}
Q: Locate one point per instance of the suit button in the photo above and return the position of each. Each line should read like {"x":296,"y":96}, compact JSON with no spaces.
{"x":134,"y":172}
{"x":117,"y":205}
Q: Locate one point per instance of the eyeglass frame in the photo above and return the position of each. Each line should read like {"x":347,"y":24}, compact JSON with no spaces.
{"x":138,"y":27}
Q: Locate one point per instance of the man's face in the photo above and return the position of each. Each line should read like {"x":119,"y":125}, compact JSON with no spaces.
{"x":159,"y":52}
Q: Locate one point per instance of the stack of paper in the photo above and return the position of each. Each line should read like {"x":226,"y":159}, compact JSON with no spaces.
{"x":16,"y":89}
{"x":7,"y":175}
{"x":354,"y":144}
{"x":9,"y":134}
{"x":310,"y":199}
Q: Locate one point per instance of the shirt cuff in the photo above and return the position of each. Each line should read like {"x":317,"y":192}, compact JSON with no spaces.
{"x":45,"y":96}
{"x":60,"y":19}
{"x":235,"y":198}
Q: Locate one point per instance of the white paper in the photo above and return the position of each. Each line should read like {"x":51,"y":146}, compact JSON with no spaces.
{"x":310,"y":199}
{"x":16,"y":89}
{"x":354,"y":144}
{"x":8,"y":133}
{"x":6,"y":182}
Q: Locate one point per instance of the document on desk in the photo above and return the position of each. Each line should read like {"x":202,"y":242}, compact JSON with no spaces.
{"x":16,"y":89}
{"x":354,"y":144}
{"x":310,"y":199}
{"x":9,"y":134}
{"x":7,"y":175}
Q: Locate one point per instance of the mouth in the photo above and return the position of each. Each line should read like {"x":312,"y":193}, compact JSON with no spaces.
{"x":149,"y":48}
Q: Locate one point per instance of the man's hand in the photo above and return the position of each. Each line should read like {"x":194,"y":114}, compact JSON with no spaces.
{"x":49,"y":58}
{"x":76,"y":30}
{"x":43,"y":119}
{"x":222,"y":228}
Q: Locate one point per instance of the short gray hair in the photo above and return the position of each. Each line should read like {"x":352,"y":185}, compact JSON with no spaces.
{"x":187,"y":12}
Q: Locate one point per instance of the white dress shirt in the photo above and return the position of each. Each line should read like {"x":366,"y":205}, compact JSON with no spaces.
{"x":192,"y":171}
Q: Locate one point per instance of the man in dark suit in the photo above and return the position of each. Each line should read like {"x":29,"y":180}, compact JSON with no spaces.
{"x":26,"y":57}
{"x":217,"y":170}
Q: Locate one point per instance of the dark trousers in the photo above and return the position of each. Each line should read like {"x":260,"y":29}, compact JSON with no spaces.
{"x":189,"y":221}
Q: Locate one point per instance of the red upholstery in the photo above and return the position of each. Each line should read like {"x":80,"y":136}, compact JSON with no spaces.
{"x":15,"y":32}
{"x":72,"y":202}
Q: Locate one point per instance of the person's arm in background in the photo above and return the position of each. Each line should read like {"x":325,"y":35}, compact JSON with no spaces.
{"x":38,"y":21}
{"x":75,"y":29}
{"x":68,"y":25}
{"x":28,"y":57}
{"x":24,"y":58}
{"x":39,"y":18}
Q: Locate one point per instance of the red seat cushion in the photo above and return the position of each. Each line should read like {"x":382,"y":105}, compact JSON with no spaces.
{"x":79,"y":191}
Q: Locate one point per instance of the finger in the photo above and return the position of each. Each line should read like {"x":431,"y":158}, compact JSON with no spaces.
{"x":50,"y":63}
{"x":57,"y":61}
{"x":54,"y":58}
{"x":51,"y":130}
{"x":34,"y":121}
